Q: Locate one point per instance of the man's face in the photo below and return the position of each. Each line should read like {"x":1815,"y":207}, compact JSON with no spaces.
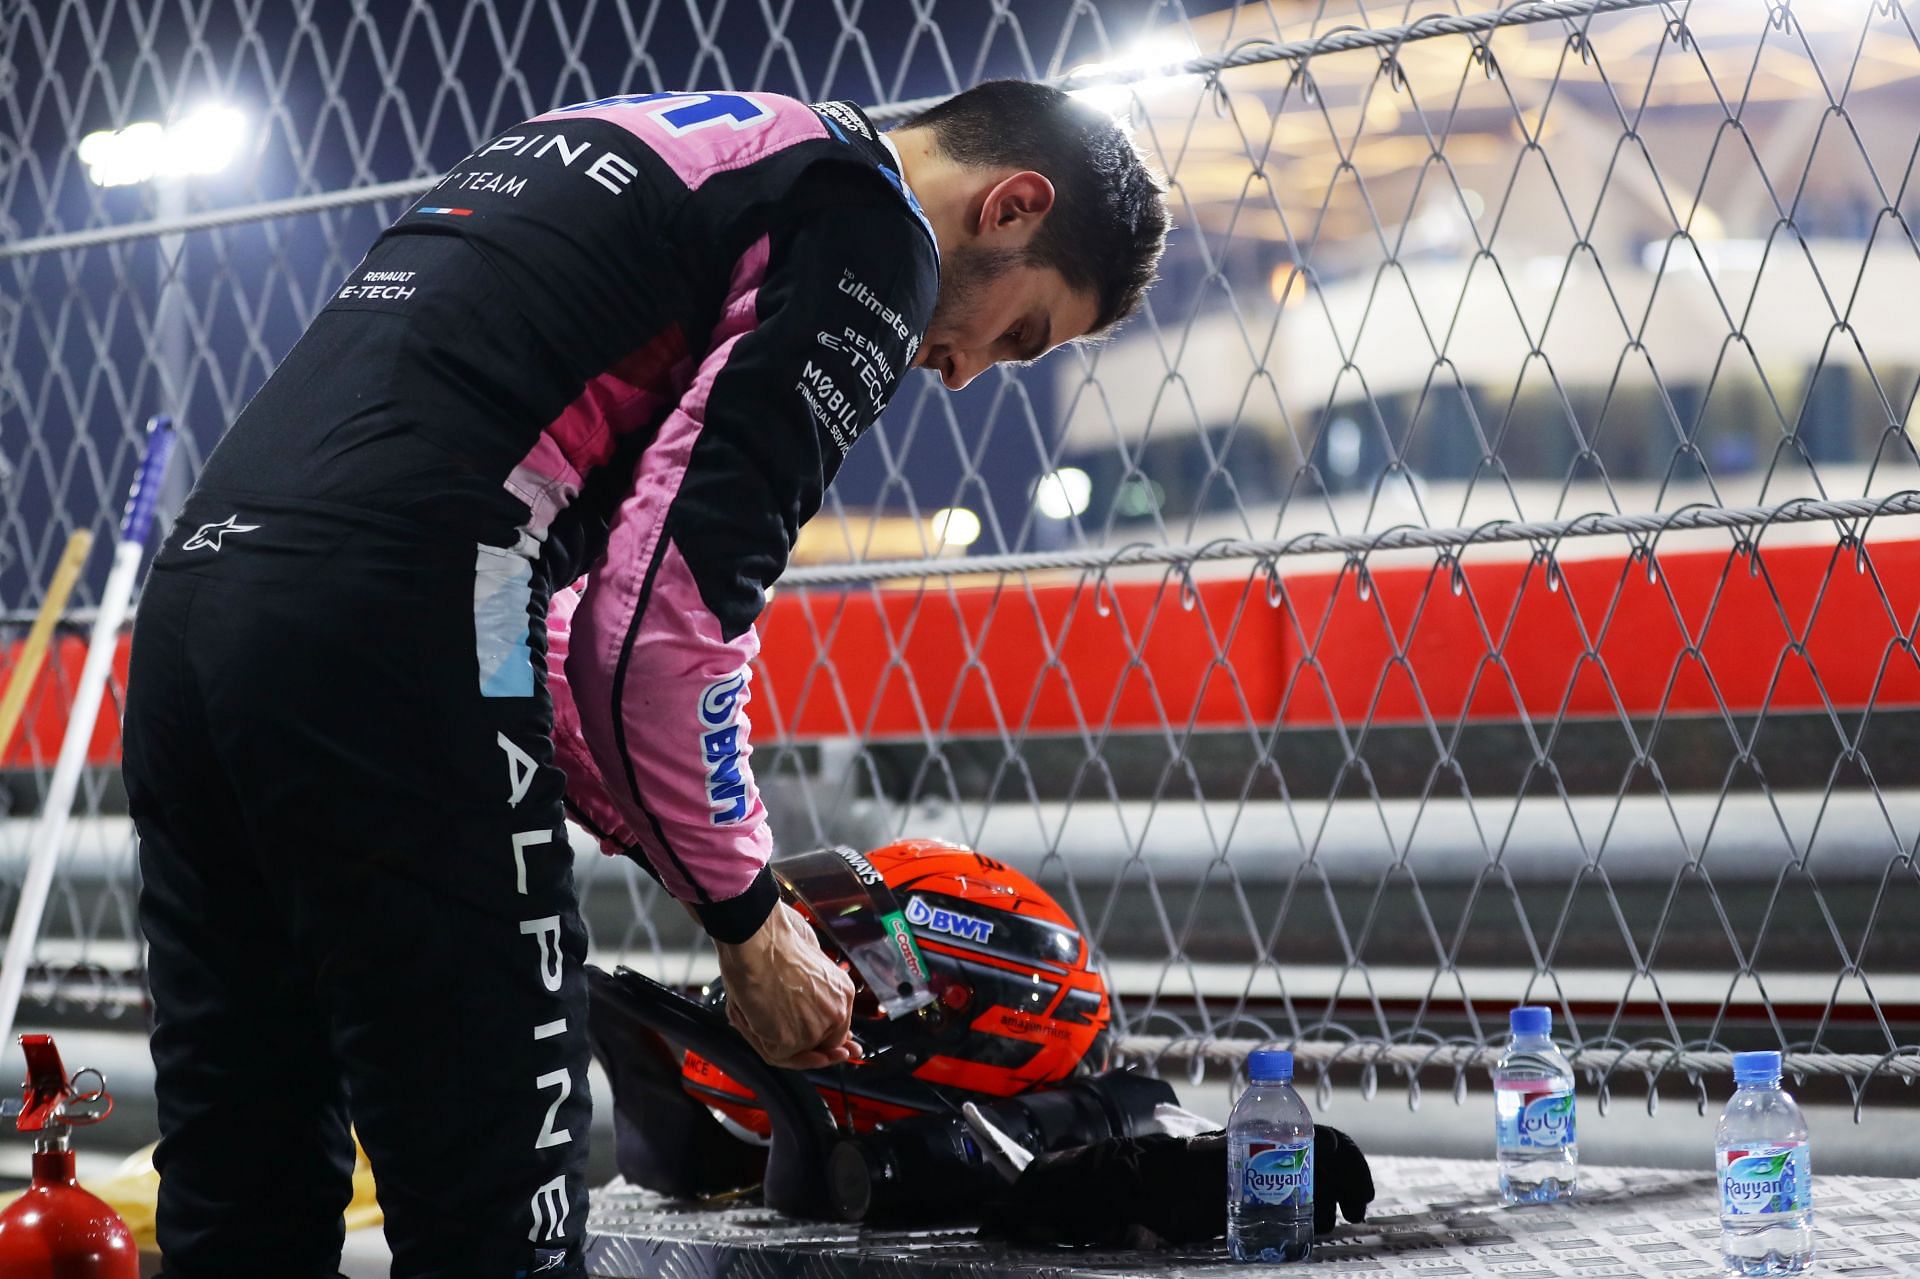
{"x":995,"y":306}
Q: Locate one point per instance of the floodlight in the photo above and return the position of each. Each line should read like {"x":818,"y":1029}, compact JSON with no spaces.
{"x":955,"y":526}
{"x":204,"y":142}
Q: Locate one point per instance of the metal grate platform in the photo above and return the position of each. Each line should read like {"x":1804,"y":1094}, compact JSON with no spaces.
{"x":1434,"y":1217}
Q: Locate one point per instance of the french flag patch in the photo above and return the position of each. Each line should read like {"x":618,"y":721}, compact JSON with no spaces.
{"x":458,"y":213}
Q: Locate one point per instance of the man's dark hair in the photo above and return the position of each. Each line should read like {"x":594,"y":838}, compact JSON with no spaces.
{"x":1108,"y":223}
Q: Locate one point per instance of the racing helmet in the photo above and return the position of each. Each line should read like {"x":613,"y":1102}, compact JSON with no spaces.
{"x":969,"y":980}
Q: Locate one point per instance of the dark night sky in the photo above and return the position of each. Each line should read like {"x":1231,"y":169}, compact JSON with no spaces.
{"x":344,"y":95}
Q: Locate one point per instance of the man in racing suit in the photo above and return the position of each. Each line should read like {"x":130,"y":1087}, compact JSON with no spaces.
{"x":634,"y":336}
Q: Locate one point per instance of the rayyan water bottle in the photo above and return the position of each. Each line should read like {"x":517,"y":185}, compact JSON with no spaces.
{"x":1533,"y":1113}
{"x":1270,"y":1165}
{"x":1766,"y":1174}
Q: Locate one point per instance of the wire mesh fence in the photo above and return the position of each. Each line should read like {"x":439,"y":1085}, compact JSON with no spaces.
{"x":1485,"y":572}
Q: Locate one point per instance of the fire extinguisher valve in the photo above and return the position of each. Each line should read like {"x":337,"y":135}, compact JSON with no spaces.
{"x":52,"y":1104}
{"x":56,"y":1228}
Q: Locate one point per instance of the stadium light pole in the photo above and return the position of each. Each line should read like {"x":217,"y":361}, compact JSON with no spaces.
{"x":205,"y":141}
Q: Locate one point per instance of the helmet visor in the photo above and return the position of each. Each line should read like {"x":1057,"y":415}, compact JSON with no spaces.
{"x":853,"y":906}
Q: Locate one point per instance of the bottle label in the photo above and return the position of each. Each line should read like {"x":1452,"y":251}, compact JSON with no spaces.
{"x":1278,"y":1173}
{"x":1542,"y":1121}
{"x":1765,"y":1179}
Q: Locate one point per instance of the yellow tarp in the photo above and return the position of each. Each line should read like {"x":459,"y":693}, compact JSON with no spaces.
{"x":133,"y":1188}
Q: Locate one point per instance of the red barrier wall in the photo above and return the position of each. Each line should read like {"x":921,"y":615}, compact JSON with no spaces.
{"x":969,"y":661}
{"x":1136,"y":656}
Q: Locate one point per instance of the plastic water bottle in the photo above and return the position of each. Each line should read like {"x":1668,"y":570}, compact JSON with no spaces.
{"x":1766,"y":1174}
{"x":1533,"y":1113}
{"x":1270,"y":1166}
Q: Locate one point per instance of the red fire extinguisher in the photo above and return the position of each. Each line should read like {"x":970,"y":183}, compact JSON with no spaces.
{"x":56,"y":1230}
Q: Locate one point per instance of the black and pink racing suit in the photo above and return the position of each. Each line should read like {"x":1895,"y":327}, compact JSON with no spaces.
{"x":631,"y":341}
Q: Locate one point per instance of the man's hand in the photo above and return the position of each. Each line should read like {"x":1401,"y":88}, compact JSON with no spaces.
{"x":791,"y":1002}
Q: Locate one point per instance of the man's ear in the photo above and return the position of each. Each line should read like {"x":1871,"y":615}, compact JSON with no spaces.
{"x":1016,"y":203}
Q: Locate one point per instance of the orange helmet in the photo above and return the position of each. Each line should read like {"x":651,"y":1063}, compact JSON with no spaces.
{"x":968,"y":980}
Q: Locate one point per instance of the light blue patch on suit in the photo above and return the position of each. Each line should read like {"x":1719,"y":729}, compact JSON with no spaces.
{"x":502,"y":593}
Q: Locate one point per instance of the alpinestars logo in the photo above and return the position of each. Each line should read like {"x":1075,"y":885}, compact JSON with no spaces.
{"x":207,"y":536}
{"x":846,"y":115}
{"x":720,"y":748}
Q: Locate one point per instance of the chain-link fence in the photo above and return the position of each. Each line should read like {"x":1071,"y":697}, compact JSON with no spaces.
{"x":1484,"y":573}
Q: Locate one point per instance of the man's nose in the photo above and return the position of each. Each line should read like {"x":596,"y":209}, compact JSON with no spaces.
{"x":959,"y":368}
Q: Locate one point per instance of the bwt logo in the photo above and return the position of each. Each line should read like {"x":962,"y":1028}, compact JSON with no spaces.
{"x":720,"y":748}
{"x":951,"y":922}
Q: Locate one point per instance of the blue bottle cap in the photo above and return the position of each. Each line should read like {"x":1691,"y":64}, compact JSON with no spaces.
{"x":1531,"y":1019}
{"x":1756,"y":1068}
{"x":1270,"y":1066}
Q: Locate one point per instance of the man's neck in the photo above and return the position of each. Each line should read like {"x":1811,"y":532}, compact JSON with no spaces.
{"x":942,"y":187}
